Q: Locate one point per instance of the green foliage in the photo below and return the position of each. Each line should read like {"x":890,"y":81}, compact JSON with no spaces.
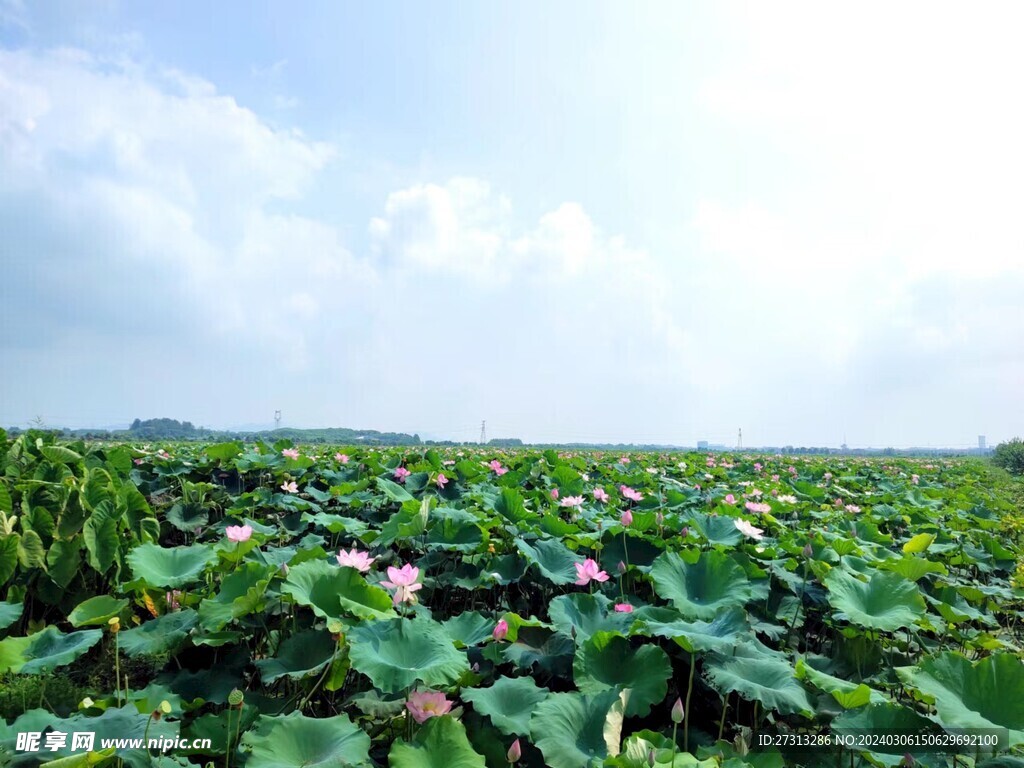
{"x":1010,"y":456}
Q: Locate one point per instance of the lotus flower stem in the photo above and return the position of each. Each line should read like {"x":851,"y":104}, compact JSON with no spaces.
{"x":721,"y":723}
{"x":686,"y":712}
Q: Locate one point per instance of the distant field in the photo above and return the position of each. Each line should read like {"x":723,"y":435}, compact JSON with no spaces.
{"x":312,"y":606}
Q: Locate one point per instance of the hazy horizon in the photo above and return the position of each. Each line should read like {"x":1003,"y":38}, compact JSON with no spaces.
{"x":591,"y":222}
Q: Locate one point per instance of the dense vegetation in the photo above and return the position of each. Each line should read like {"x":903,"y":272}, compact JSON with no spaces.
{"x":457,"y":607}
{"x":1010,"y":456}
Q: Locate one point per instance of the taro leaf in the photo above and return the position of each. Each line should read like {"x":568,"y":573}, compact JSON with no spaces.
{"x":170,"y":566}
{"x":887,"y":602}
{"x":701,"y":590}
{"x":607,"y":661}
{"x":240,"y":594}
{"x":441,"y":743}
{"x":58,"y":454}
{"x":768,"y":681}
{"x":885,"y":717}
{"x":394,"y":654}
{"x":509,"y":703}
{"x":573,"y":730}
{"x":10,"y":613}
{"x":721,"y":634}
{"x":100,"y":536}
{"x":331,"y":590}
{"x":161,"y":635}
{"x":552,"y":558}
{"x":64,"y":560}
{"x":96,"y":611}
{"x":31,"y":552}
{"x":581,"y":614}
{"x":45,"y":650}
{"x":299,"y":656}
{"x":297,"y":741}
{"x":469,"y":628}
{"x":986,"y":694}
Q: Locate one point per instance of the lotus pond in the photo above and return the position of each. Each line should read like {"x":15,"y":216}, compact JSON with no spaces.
{"x":461,"y":608}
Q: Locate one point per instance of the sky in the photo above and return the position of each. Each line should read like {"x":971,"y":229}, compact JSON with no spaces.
{"x":580,"y":221}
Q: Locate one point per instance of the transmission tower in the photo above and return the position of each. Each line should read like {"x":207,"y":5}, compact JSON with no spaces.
{"x":483,"y":432}
{"x":739,"y":440}
{"x":277,"y":419}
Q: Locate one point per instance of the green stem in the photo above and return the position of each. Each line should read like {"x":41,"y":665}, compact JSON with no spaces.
{"x":721,"y":723}
{"x":686,"y":713}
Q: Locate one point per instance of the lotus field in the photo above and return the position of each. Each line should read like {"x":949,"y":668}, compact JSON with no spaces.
{"x":459,"y":608}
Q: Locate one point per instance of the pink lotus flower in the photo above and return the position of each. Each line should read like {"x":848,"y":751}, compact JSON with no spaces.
{"x":554,"y":494}
{"x":361,"y":561}
{"x":572,"y":501}
{"x":623,"y":608}
{"x":290,"y":453}
{"x":748,"y":530}
{"x":238,"y":533}
{"x":627,"y":518}
{"x":441,"y":481}
{"x":588,"y":571}
{"x":291,"y":487}
{"x":423,"y":705}
{"x":757,"y":466}
{"x":500,"y":630}
{"x":624,"y":460}
{"x":341,"y":457}
{"x":514,"y":752}
{"x":498,"y":469}
{"x":629,"y":493}
{"x":791,"y":470}
{"x":601,"y":495}
{"x":730,"y":499}
{"x":404,"y":581}
{"x":139,"y":461}
{"x":915,"y":479}
{"x":174,"y":600}
{"x":401,"y":473}
{"x":758,"y":507}
{"x":775,"y":478}
{"x":853,"y":509}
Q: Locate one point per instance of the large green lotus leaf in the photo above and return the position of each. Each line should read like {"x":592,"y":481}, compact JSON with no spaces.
{"x":841,"y":689}
{"x":241,"y":593}
{"x":768,"y":681}
{"x":582,"y":614}
{"x":551,"y":651}
{"x":331,"y":590}
{"x":884,"y":717}
{"x":509,"y":703}
{"x":441,"y":743}
{"x":638,"y":748}
{"x":10,"y":613}
{"x":607,"y":660}
{"x":986,"y":694}
{"x":297,"y":741}
{"x":719,"y":529}
{"x":573,"y":730}
{"x":114,"y":723}
{"x":702,"y":590}
{"x":395,"y":654}
{"x":552,"y":558}
{"x":170,"y":566}
{"x":300,"y":655}
{"x":45,"y":650}
{"x":161,"y":635}
{"x":454,"y":529}
{"x":469,"y":628}
{"x":887,"y":602}
{"x":913,"y":568}
{"x":96,"y":611}
{"x":721,"y":634}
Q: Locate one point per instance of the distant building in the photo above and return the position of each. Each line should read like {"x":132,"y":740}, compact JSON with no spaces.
{"x":981,"y":442}
{"x":702,"y":445}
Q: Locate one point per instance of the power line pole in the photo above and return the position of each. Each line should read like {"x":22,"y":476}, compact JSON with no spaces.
{"x":739,"y":440}
{"x":277,"y":419}
{"x":483,"y":432}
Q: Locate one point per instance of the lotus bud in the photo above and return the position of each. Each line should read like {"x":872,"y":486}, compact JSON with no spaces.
{"x":501,"y":630}
{"x":621,"y":567}
{"x":652,"y":758}
{"x":685,"y":532}
{"x":514,"y":752}
{"x":808,"y":550}
{"x":627,"y":518}
{"x":660,"y":518}
{"x":677,"y":712}
{"x":908,"y":760}
{"x":156,"y":715}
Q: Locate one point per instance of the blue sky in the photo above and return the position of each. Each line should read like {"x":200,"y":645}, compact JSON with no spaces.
{"x":591,"y":221}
